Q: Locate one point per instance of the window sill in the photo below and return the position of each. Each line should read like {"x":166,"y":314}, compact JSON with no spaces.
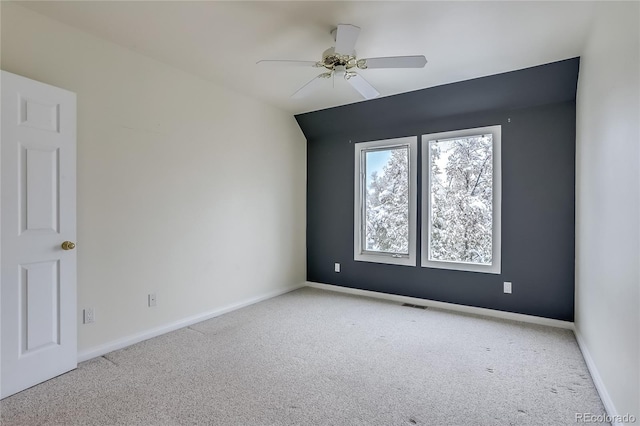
{"x":386,"y":259}
{"x":465,"y":267}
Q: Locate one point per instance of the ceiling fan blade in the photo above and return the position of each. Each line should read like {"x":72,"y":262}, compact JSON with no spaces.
{"x":362,"y":86}
{"x":346,"y":37}
{"x":417,"y":61}
{"x":285,"y":62}
{"x":311,"y":86}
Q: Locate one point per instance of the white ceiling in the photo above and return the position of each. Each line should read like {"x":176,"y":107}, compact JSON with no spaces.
{"x":221,"y":41}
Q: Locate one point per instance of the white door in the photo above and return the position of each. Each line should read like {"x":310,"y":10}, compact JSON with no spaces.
{"x":38,"y":330}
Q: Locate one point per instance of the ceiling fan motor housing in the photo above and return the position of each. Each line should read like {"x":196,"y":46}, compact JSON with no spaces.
{"x":331,"y":60}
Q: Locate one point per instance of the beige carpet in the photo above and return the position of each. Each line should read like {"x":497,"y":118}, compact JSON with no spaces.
{"x":311,"y":357}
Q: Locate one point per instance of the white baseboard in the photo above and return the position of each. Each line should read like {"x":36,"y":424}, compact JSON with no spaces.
{"x":448,"y":306}
{"x":597,"y":380}
{"x":185,"y":322}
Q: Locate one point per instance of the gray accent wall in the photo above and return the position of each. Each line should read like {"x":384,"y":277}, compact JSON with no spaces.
{"x":536,"y":108}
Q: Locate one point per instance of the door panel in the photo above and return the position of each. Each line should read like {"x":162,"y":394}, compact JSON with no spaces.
{"x":39,"y":188}
{"x":38,"y":329}
{"x":39,"y":114}
{"x":40,"y":286}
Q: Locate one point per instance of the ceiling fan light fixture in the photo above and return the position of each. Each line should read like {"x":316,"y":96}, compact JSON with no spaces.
{"x":349,"y":74}
{"x":340,"y":70}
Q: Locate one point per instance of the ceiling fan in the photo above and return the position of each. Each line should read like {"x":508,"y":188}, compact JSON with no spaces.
{"x":341,"y":61}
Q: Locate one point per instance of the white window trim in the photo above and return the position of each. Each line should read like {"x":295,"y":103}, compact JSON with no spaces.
{"x":358,"y":253}
{"x":496,"y":244}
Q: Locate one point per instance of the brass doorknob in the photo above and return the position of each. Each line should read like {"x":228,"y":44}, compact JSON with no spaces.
{"x":68,"y":245}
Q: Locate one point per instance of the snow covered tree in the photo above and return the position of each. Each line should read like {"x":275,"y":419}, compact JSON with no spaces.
{"x":387,"y":205}
{"x":461,"y":201}
{"x":461,"y":191}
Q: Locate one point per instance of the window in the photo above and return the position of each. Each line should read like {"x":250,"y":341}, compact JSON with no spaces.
{"x":461,"y":194}
{"x":385,"y":201}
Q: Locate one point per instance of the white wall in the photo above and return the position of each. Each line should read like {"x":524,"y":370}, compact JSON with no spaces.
{"x":185,"y":188}
{"x":607,"y":208}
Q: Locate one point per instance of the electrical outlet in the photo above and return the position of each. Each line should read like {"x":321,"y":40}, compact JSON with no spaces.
{"x":88,"y":316}
{"x":336,"y":267}
{"x":507,"y":287}
{"x":152,"y":299}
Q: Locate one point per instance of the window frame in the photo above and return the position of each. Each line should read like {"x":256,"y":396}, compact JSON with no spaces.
{"x":496,"y":243}
{"x":359,"y":254}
